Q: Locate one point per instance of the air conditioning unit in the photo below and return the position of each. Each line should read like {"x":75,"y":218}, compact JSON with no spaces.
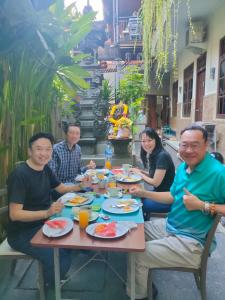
{"x":196,"y":33}
{"x":196,"y":37}
{"x":211,"y":129}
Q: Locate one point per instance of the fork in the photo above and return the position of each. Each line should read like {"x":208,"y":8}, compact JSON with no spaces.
{"x":126,"y":205}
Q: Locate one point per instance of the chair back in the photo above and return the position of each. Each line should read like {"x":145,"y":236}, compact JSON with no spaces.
{"x":209,"y":239}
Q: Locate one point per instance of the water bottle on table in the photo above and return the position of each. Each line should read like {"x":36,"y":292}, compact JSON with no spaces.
{"x":108,"y":155}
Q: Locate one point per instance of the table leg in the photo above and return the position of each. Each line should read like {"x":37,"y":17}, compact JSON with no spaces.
{"x":132,"y":276}
{"x":57,"y":274}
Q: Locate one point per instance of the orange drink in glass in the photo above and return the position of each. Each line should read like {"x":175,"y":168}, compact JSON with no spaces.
{"x":112,"y":184}
{"x":83,"y":217}
{"x":108,"y":164}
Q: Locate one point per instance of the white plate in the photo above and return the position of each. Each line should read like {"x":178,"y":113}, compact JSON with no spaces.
{"x":94,"y":216}
{"x":51,"y":232}
{"x":120,"y":195}
{"x":108,"y":205}
{"x":132,"y":178}
{"x":120,"y":231}
{"x":93,"y":172}
{"x":68,"y":196}
{"x":79,"y":178}
{"x":88,"y":201}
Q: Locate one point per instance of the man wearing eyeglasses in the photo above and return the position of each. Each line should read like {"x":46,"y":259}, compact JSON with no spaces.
{"x":196,"y":195}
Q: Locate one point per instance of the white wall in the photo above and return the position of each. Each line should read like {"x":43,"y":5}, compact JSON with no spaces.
{"x":216,"y":31}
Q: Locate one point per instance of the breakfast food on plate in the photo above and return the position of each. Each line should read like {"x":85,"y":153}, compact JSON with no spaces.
{"x":106,"y":229}
{"x":56,"y":224}
{"x":91,"y":172}
{"x":100,"y":176}
{"x":127,"y":208}
{"x":127,"y":202}
{"x":77,"y":200}
{"x":123,"y":177}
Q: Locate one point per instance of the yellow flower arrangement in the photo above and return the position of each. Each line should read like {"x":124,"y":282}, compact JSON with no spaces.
{"x":117,"y":107}
{"x":124,"y":122}
{"x":121,"y":124}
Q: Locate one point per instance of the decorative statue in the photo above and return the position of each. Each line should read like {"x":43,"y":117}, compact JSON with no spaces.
{"x":121,"y":124}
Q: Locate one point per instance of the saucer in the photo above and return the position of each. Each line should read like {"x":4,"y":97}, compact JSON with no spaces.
{"x":120,"y":195}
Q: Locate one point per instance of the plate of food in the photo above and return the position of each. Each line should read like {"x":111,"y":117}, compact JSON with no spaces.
{"x":117,"y":171}
{"x":80,"y":177}
{"x":57,"y":227}
{"x":110,"y":230}
{"x":128,"y":178}
{"x":94,"y":172}
{"x":121,"y":206}
{"x":75,"y":199}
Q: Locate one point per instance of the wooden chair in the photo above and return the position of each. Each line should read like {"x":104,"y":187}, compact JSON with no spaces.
{"x":199,"y":272}
{"x":158,"y":214}
{"x":6,"y":252}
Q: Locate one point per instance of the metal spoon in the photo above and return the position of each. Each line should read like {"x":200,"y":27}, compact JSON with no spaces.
{"x":104,"y":217}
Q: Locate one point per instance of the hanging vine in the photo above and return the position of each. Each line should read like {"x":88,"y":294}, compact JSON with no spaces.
{"x":160,"y":36}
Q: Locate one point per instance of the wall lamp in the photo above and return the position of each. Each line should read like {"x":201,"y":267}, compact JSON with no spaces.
{"x":212,"y":73}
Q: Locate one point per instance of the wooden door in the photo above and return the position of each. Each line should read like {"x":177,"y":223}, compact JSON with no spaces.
{"x":200,"y":87}
{"x":165,"y":115}
{"x":199,"y":95}
{"x":152,"y":116}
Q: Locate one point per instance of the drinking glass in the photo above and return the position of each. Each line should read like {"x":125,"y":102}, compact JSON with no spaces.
{"x":111,"y":182}
{"x":84,"y":214}
{"x":108,"y":164}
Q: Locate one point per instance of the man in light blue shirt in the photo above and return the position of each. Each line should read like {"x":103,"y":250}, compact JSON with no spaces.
{"x":197,"y":193}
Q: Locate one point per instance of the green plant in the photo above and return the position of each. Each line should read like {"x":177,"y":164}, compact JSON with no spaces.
{"x":160,"y":36}
{"x":34,"y":55}
{"x":132,"y":90}
{"x":106,"y":91}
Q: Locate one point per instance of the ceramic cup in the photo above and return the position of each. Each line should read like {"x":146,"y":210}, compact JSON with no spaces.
{"x":126,"y":167}
{"x":114,"y":192}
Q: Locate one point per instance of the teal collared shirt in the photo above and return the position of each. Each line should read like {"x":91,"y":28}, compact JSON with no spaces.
{"x":207,"y":182}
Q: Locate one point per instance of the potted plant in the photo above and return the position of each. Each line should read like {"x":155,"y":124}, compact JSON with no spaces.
{"x":132,"y":92}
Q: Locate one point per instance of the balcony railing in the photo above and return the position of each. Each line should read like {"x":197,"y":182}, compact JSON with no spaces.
{"x":130,"y":29}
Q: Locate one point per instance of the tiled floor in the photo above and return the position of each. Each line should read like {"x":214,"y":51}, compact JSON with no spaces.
{"x":98,"y":282}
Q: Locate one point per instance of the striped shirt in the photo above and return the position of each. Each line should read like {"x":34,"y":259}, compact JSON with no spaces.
{"x":66,"y":163}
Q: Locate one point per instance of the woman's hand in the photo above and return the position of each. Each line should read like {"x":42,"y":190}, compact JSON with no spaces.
{"x":136,"y":191}
{"x":192,"y":202}
{"x":135,"y":171}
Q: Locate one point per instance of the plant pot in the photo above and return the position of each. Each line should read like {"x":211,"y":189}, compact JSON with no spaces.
{"x":121,"y":146}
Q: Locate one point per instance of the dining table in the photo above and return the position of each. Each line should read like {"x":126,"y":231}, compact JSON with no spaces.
{"x":133,"y":241}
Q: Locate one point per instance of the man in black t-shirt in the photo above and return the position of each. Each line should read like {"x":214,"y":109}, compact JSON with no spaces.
{"x":29,"y":195}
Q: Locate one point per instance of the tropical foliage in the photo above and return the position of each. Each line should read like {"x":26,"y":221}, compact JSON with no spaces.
{"x":160,"y":36}
{"x":36,"y":70}
{"x":132,"y":90}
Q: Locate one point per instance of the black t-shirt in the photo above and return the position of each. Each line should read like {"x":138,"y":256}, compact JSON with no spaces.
{"x":161,"y":160}
{"x":32,"y":189}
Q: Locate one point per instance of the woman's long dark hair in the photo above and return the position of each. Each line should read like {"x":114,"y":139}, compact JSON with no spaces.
{"x":152,"y":134}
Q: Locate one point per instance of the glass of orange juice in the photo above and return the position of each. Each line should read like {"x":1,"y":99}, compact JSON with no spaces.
{"x":111,"y":183}
{"x":84,"y":214}
{"x":108,"y":164}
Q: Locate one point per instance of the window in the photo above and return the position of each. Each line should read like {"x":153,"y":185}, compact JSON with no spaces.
{"x":187,"y":94}
{"x":175,"y":98}
{"x":221,"y":91}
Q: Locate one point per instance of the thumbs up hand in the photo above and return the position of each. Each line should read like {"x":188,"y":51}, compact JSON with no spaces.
{"x":192,"y":202}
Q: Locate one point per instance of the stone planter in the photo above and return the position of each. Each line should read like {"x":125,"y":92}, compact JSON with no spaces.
{"x":121,"y":146}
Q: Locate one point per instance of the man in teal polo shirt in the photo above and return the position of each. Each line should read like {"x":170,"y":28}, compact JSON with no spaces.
{"x":197,"y":193}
